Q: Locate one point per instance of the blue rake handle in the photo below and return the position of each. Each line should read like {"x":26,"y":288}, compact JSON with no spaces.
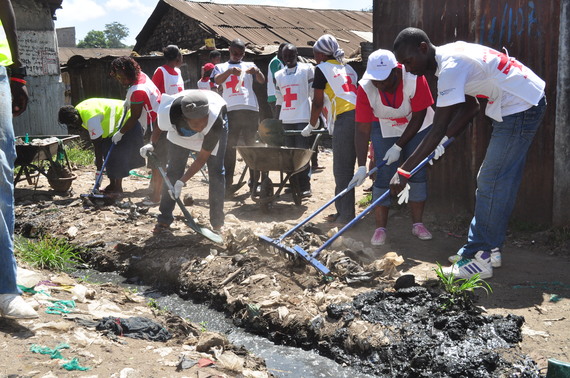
{"x":373,"y":204}
{"x":320,"y":209}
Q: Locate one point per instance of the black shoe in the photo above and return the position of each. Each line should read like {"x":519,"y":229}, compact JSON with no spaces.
{"x":306,"y":194}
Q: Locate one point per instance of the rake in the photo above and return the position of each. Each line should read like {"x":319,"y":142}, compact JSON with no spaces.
{"x":312,"y":258}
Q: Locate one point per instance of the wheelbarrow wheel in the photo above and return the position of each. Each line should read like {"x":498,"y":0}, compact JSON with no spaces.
{"x":60,"y":178}
{"x":296,"y":190}
{"x":266,"y":193}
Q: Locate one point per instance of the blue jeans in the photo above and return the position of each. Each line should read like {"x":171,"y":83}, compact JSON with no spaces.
{"x":344,"y":158}
{"x":418,"y":182}
{"x":177,"y":158}
{"x":7,"y":158}
{"x":299,"y":141}
{"x":499,"y":179}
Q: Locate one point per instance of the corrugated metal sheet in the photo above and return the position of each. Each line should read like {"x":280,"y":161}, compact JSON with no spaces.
{"x":529,"y":31}
{"x":65,"y":53}
{"x":267,"y":25}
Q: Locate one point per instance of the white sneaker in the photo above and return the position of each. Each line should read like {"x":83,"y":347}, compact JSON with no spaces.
{"x":13,"y":306}
{"x":496,"y":258}
{"x":467,"y":268}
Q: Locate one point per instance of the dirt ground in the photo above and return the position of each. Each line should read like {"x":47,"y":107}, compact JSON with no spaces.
{"x":532,"y":283}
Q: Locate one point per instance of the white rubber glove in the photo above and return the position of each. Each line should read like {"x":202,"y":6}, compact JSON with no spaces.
{"x":359,"y":176}
{"x":177,"y":190}
{"x":404,"y":195}
{"x":117,"y":137}
{"x":146,"y":149}
{"x":439,"y":150}
{"x":306,"y":132}
{"x":393,"y":154}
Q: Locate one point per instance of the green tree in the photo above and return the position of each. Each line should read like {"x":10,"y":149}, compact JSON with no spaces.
{"x":93,"y":39}
{"x":115,"y":32}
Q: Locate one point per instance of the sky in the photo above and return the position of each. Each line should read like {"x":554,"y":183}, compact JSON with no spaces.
{"x":87,"y":15}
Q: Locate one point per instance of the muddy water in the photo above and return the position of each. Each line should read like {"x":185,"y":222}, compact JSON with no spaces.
{"x":282,"y":361}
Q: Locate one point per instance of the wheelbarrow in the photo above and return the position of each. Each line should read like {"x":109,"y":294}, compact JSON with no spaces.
{"x":44,"y":155}
{"x":285,"y":160}
{"x":288,"y":161}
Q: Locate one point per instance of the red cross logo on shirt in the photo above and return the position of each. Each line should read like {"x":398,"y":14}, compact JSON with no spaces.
{"x":289,"y":97}
{"x":232,"y":83}
{"x":348,"y":86}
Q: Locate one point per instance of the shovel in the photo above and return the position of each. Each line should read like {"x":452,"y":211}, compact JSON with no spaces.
{"x":271,"y":132}
{"x":311,"y":258}
{"x":205,"y":232}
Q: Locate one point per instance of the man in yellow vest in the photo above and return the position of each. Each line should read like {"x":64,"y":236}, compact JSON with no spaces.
{"x":13,"y":102}
{"x":102,"y":118}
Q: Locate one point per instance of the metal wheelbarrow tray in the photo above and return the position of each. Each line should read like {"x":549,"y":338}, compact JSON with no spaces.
{"x":35,"y":159}
{"x":285,"y":160}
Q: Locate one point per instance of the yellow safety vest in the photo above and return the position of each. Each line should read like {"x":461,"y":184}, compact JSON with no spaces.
{"x":5,"y":54}
{"x":112,"y":111}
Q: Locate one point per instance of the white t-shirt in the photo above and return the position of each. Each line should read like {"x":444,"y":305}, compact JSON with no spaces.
{"x":293,"y":89}
{"x":194,"y":142}
{"x":238,"y":97}
{"x":476,"y":70}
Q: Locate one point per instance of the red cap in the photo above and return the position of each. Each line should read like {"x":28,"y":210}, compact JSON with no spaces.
{"x":208,"y":67}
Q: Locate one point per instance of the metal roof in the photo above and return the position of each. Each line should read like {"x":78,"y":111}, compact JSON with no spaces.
{"x":264,"y":25}
{"x":65,"y":53}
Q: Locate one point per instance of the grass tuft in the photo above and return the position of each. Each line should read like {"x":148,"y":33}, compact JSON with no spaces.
{"x":78,"y":154}
{"x":459,"y":288}
{"x":48,"y":252}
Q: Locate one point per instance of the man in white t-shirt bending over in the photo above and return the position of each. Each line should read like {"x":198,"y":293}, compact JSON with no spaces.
{"x":516,"y":104}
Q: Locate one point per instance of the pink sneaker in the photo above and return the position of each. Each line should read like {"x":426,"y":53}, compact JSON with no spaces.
{"x":422,"y":233}
{"x":379,"y":237}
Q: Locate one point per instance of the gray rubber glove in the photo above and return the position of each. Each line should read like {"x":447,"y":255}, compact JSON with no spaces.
{"x":359,"y":176}
{"x":117,"y":137}
{"x":146,"y":149}
{"x":177,"y":190}
{"x":393,"y":154}
{"x":306,"y":132}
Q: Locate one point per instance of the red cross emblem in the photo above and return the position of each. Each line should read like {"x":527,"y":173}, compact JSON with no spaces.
{"x":348,"y":86}
{"x":232,"y":83}
{"x":289,"y":97}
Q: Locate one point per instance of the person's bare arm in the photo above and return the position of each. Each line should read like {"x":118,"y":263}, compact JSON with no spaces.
{"x":317,"y":106}
{"x":196,"y":165}
{"x":136,"y":111}
{"x":257,"y":74}
{"x":448,"y":121}
{"x":361,"y":139}
{"x":220,"y":78}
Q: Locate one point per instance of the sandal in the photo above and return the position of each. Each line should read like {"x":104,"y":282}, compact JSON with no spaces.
{"x":161,"y":228}
{"x":332,"y":217}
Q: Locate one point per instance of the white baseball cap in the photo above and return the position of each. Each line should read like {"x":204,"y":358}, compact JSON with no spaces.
{"x":380,"y":64}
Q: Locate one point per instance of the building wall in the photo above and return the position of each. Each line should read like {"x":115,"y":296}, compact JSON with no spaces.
{"x":529,"y":31}
{"x":175,"y":28}
{"x":38,"y":50}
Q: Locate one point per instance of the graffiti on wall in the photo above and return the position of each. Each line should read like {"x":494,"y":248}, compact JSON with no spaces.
{"x":38,"y":52}
{"x":512,"y":23}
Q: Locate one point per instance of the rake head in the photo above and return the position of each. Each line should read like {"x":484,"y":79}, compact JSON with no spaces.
{"x":295,"y":253}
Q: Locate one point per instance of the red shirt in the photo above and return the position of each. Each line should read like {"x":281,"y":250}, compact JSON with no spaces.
{"x":422,"y":99}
